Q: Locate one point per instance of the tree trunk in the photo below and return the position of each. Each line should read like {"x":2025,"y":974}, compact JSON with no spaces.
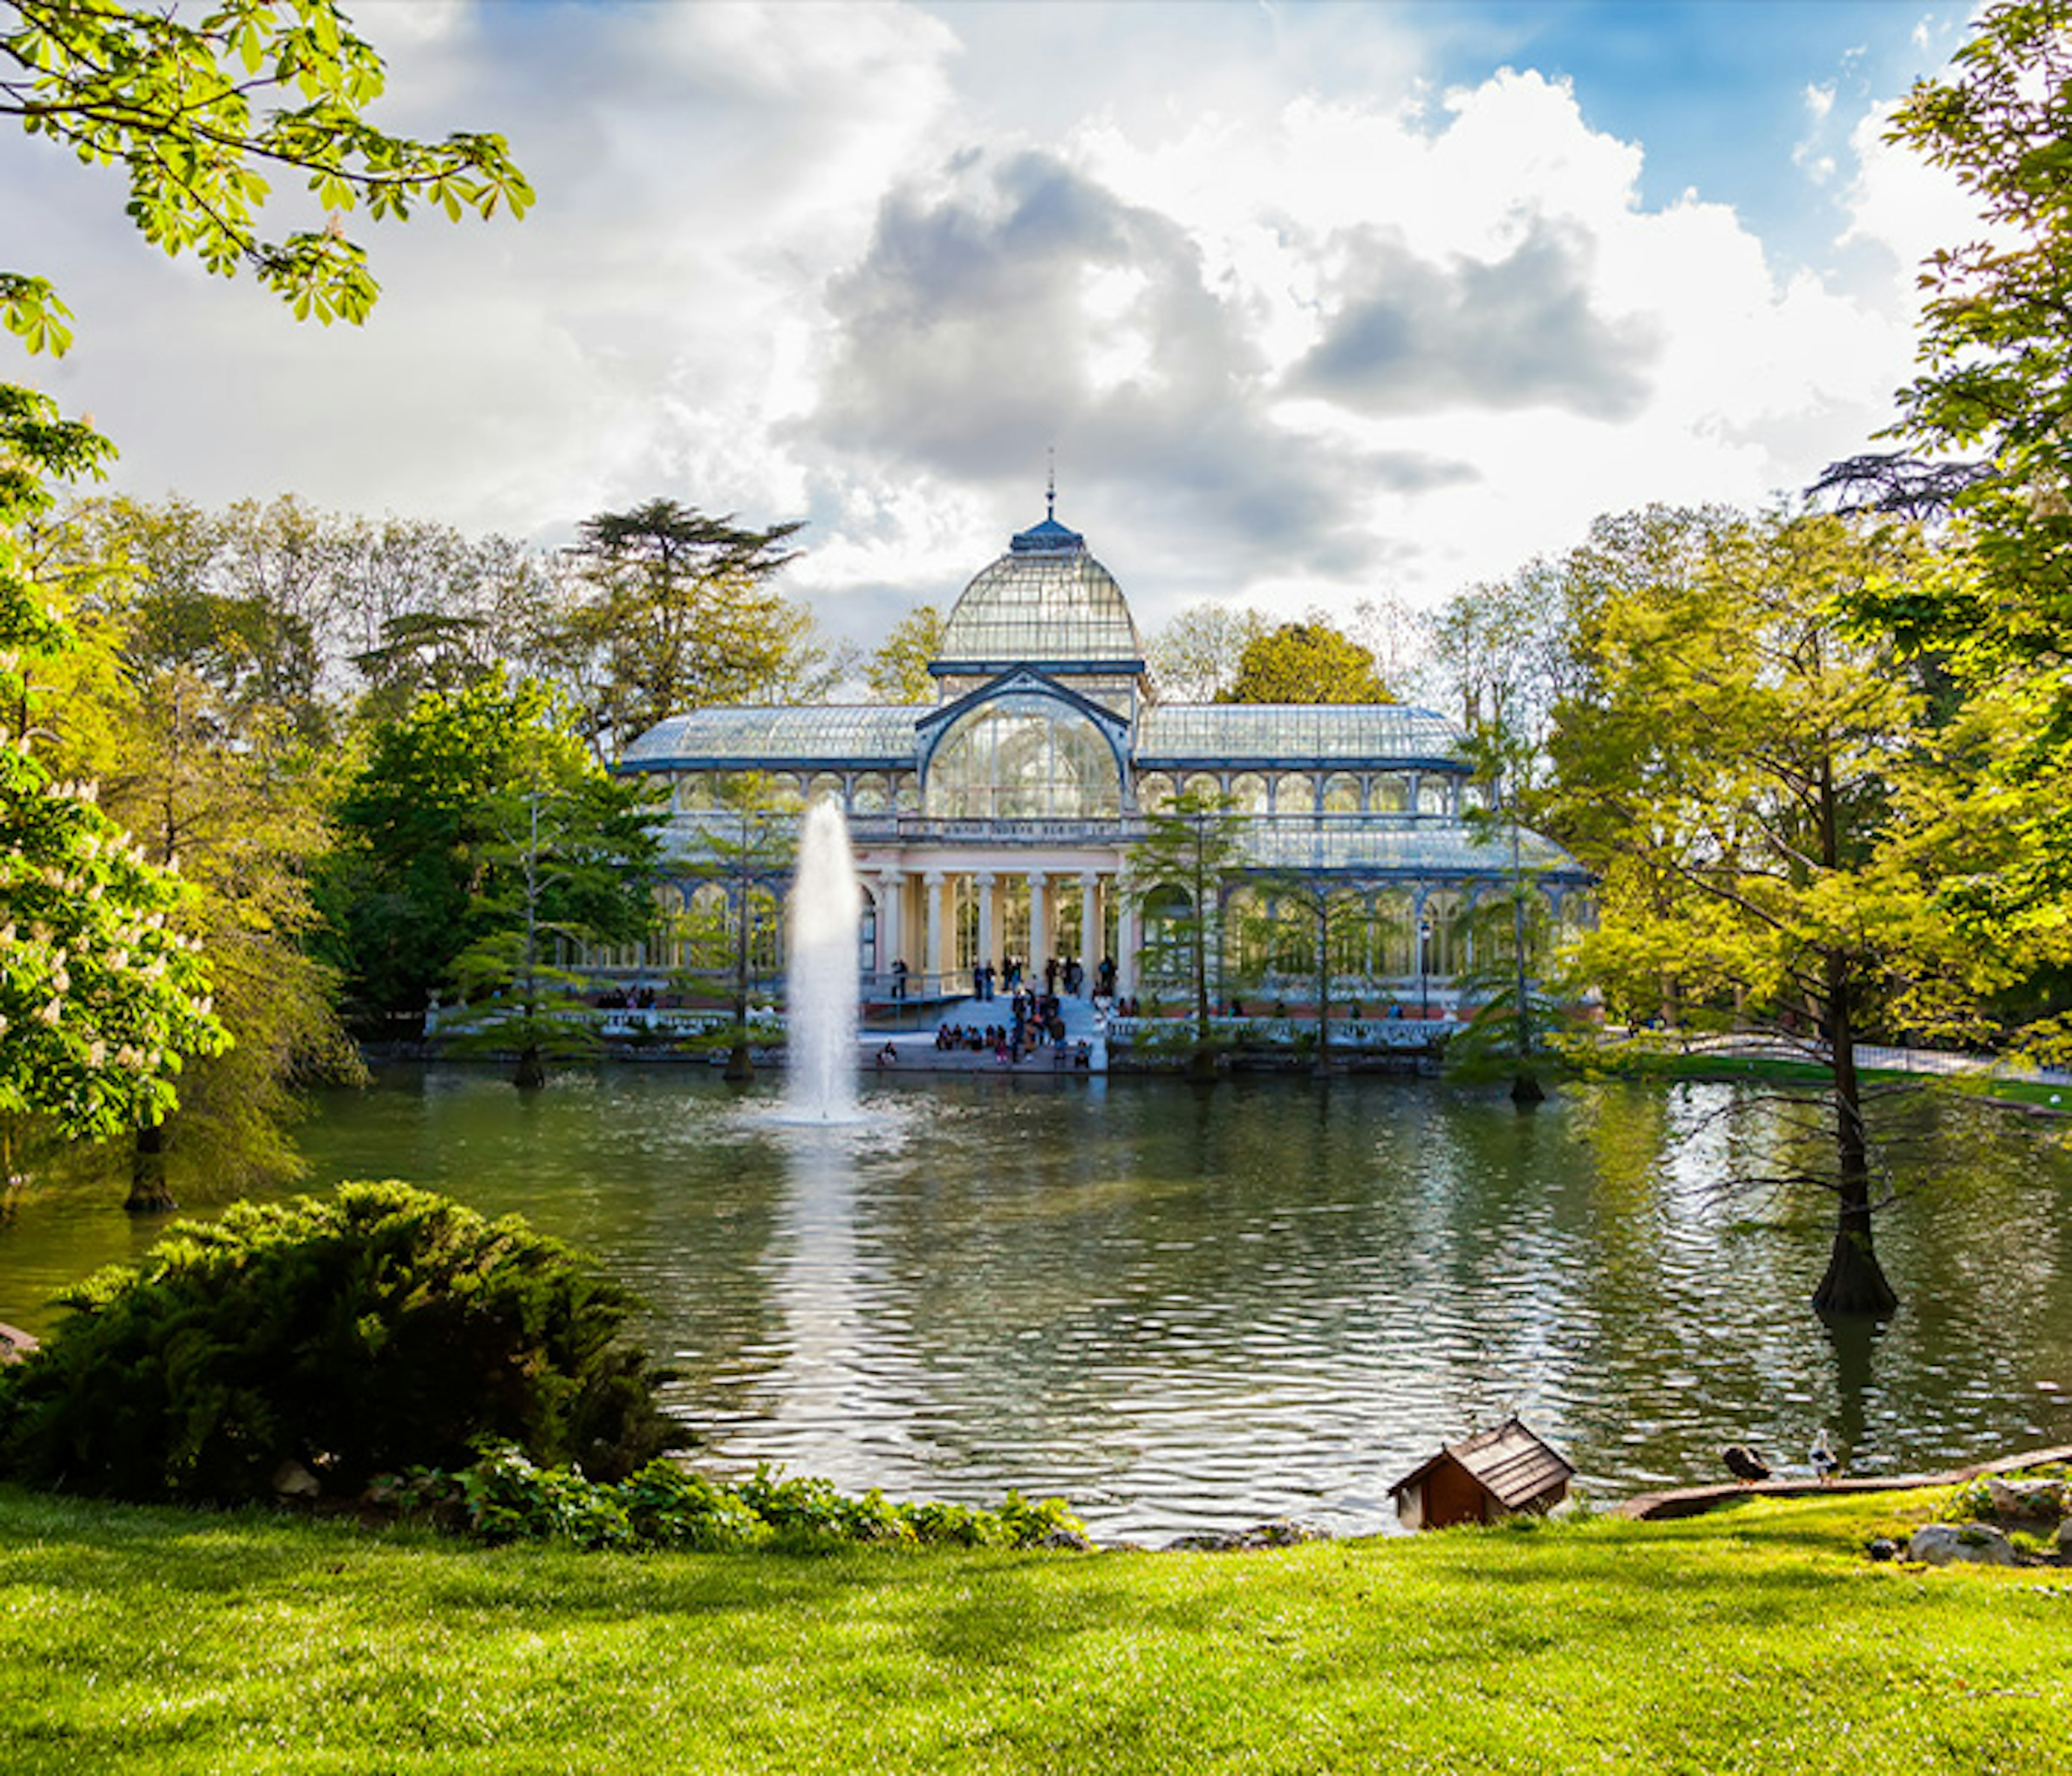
{"x":1855,"y":1282}
{"x":532,"y":1073}
{"x":148,"y":1194}
{"x":740,"y":1064}
{"x":1525,"y":1088}
{"x":1323,"y":1064}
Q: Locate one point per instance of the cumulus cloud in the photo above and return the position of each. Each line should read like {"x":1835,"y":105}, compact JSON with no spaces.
{"x":1302,"y":326}
{"x":1409,"y":336}
{"x":1022,"y":304}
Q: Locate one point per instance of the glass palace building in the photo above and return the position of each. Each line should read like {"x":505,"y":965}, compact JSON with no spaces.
{"x":998,"y":821}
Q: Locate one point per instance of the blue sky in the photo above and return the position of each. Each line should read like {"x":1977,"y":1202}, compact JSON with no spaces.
{"x":1316,"y":303}
{"x":1715,"y":91}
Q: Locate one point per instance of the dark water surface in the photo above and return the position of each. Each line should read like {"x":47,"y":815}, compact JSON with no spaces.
{"x":1188,"y":1309}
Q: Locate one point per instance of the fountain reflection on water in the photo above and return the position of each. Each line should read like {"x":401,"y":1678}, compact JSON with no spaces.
{"x":820,"y":982}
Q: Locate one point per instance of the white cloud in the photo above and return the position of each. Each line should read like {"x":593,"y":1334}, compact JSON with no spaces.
{"x":1898,"y":201}
{"x":1302,"y":328}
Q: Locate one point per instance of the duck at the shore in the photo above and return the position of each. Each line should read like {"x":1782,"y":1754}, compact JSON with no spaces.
{"x":1744,"y":1464}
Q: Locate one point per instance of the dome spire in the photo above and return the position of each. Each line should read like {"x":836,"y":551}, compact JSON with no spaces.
{"x":1050,"y":537}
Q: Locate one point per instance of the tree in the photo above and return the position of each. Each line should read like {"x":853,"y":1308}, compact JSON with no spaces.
{"x":423,"y":871}
{"x":1995,"y":378}
{"x":207,"y":761}
{"x":114,"y":998}
{"x":526,"y":1002}
{"x":744,"y":847}
{"x":1500,"y":647}
{"x":1308,"y":662}
{"x":1194,"y":659}
{"x":1176,"y":873}
{"x":171,"y":102}
{"x":676,"y":611}
{"x":238,"y":804}
{"x":1756,"y":785}
{"x":1303,"y":918}
{"x":101,"y":996}
{"x":898,"y":672}
{"x":1502,"y":756}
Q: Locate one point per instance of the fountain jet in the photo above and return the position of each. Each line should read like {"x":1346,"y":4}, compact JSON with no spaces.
{"x":820,"y":983}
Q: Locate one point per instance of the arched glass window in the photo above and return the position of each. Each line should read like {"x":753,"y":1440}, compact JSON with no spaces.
{"x":1443,"y":916}
{"x":907,"y":795}
{"x":1248,"y":792}
{"x":1294,"y":793}
{"x":693,"y":792}
{"x":1389,"y":795}
{"x":1024,"y":756}
{"x":765,"y":952}
{"x":1341,"y":794}
{"x":826,"y":786}
{"x":1392,"y":943}
{"x":1166,"y":934}
{"x":1153,"y":791}
{"x":870,"y":796}
{"x":1435,"y":794}
{"x":1202,"y":783}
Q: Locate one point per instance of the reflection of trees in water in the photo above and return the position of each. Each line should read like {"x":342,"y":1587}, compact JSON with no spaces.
{"x":1065,"y":1276}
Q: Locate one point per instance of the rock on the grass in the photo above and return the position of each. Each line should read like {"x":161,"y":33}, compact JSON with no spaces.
{"x":1941,"y":1545}
{"x":2033,"y":1501}
{"x":1282,"y":1532}
{"x":2065,"y":1539}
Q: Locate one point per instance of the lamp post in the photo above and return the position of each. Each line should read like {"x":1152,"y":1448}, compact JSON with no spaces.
{"x":1423,"y":979}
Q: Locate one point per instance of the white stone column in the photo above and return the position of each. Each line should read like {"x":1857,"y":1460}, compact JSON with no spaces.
{"x":983,"y":882}
{"x":932,"y":959}
{"x":1040,"y":935}
{"x":891,"y":922}
{"x":1128,"y":940}
{"x":1090,"y":931}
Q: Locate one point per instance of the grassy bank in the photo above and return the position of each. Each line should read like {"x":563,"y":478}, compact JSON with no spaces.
{"x":1757,"y":1639}
{"x":1743,"y":1069}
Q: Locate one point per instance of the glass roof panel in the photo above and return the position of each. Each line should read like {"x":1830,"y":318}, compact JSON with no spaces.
{"x":808,"y":734}
{"x":1377,"y":733}
{"x":1396,"y":847}
{"x":1055,"y":604}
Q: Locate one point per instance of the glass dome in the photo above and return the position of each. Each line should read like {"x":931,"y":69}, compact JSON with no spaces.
{"x":1045,"y":601}
{"x":1024,"y":756}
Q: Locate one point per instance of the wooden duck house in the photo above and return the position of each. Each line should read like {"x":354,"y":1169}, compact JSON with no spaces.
{"x":1489,"y":1475}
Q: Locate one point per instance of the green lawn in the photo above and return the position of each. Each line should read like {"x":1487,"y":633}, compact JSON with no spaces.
{"x":1756,"y":1640}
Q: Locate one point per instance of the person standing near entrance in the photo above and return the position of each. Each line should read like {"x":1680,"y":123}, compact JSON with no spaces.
{"x":900,"y":978}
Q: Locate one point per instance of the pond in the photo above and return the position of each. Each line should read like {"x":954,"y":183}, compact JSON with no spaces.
{"x":1188,"y":1309}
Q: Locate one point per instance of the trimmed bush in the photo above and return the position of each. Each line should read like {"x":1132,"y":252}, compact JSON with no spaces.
{"x":505,"y":1498}
{"x":380,"y":1328}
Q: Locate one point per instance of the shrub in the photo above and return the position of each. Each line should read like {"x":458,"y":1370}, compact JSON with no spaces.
{"x":504,"y":1497}
{"x":383,"y":1327}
